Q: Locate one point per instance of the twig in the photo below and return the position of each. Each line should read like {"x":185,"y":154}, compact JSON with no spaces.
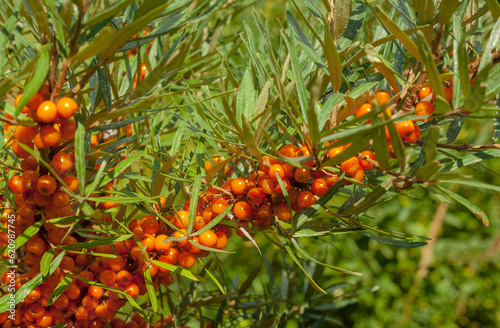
{"x":394,"y":174}
{"x":85,"y":78}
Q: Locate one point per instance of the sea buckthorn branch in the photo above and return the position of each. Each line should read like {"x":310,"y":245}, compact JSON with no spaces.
{"x":397,"y":175}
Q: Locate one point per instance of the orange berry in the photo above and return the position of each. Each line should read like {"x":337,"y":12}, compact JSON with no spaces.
{"x":173,"y":254}
{"x":181,"y":220}
{"x":363,"y":110}
{"x":283,"y":212}
{"x":46,"y":185}
{"x":221,"y":240}
{"x":405,"y":129}
{"x":117,"y":263}
{"x":182,"y":233}
{"x":219,"y":206}
{"x":319,"y":187}
{"x":29,"y":179}
{"x":424,"y":92}
{"x":35,"y":245}
{"x":24,"y":134}
{"x":256,"y":196}
{"x":239,"y":186}
{"x":277,"y":169}
{"x":350,"y":166}
{"x":448,"y":92}
{"x":45,"y":320}
{"x":364,"y":164}
{"x":335,"y":151}
{"x":47,"y":111}
{"x":160,"y":245}
{"x":305,"y":199}
{"x":424,"y":108}
{"x":50,"y":136}
{"x":415,"y":136}
{"x":71,"y":181}
{"x":208,"y":238}
{"x":382,"y":96}
{"x":288,"y":150}
{"x":242,"y":210}
{"x":192,"y":247}
{"x":304,"y":152}
{"x":150,"y":226}
{"x":107,"y":277}
{"x":15,"y":185}
{"x":199,"y":222}
{"x":62,"y":162}
{"x":186,"y":259}
{"x":68,"y":129}
{"x":66,"y":107}
{"x":148,"y":241}
{"x":19,"y":152}
{"x":359,"y":175}
{"x":123,"y":278}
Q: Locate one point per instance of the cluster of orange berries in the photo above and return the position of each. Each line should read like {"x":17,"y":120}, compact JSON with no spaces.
{"x":53,"y":124}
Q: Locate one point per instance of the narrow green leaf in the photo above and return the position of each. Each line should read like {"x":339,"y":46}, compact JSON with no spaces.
{"x":6,"y":30}
{"x":395,"y":242}
{"x":479,"y":213}
{"x":371,"y":198}
{"x":151,"y":289}
{"x":460,"y":61}
{"x":446,"y":10}
{"x":332,"y":58}
{"x":40,"y":17}
{"x":341,"y":16}
{"x":100,"y":43}
{"x":251,"y":277}
{"x":309,"y":257}
{"x":36,"y":81}
{"x":245,"y":101}
{"x":296,"y":260}
{"x":398,"y":33}
{"x":27,"y":234}
{"x":61,"y":287}
{"x":109,"y":12}
{"x":494,"y":8}
{"x":373,"y":57}
{"x":473,"y":184}
{"x":183,"y":272}
{"x":97,"y":242}
{"x":45,"y":262}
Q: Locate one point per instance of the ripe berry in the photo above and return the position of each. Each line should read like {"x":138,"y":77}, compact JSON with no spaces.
{"x":238,"y":186}
{"x":302,"y":175}
{"x":208,"y":238}
{"x":46,"y":185}
{"x":319,"y":187}
{"x":68,"y":129}
{"x":186,"y":259}
{"x":66,"y":107}
{"x":405,"y":129}
{"x":304,"y":152}
{"x":62,"y":162}
{"x":288,"y":150}
{"x":242,"y":210}
{"x":305,"y":199}
{"x":24,"y":134}
{"x":424,"y":108}
{"x":350,"y":166}
{"x":363,"y":110}
{"x":283,"y":212}
{"x":277,"y":170}
{"x":50,"y":136}
{"x":221,"y":240}
{"x":364,"y":164}
{"x":415,"y":136}
{"x":15,"y":185}
{"x":160,"y":245}
{"x":256,"y":196}
{"x":46,"y":111}
{"x":219,"y":206}
{"x":382,"y":96}
{"x":424,"y":92}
